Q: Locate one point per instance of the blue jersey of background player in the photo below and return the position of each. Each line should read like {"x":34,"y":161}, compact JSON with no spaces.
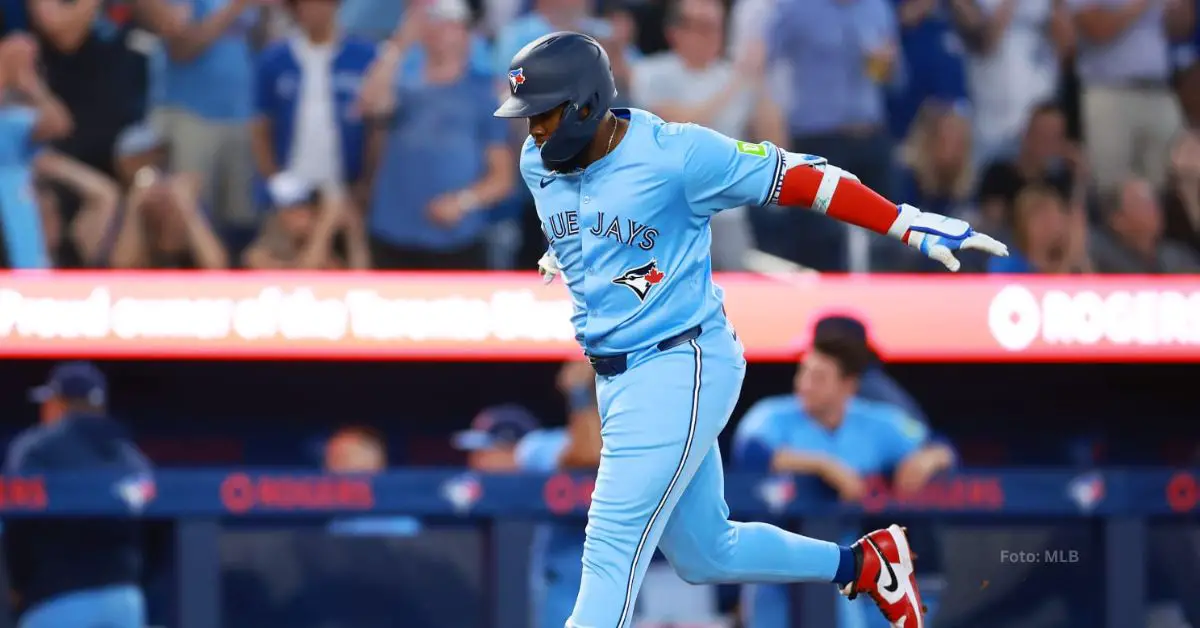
{"x":625,"y":200}
{"x":824,"y":431}
{"x":558,"y":547}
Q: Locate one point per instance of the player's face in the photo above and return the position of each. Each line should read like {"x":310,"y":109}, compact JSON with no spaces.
{"x":350,"y":455}
{"x":51,"y":410}
{"x":494,"y":460}
{"x":821,"y":384}
{"x":543,"y":125}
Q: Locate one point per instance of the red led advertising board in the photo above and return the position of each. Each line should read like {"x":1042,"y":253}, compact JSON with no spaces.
{"x":512,"y":316}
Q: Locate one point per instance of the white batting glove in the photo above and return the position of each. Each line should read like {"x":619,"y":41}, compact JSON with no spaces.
{"x":548,"y":267}
{"x":938,"y":236}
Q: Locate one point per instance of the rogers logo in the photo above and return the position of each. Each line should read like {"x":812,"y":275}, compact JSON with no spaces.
{"x":1014,"y":318}
{"x":1017,"y":318}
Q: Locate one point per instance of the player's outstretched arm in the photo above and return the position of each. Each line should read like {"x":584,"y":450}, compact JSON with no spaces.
{"x":832,"y":191}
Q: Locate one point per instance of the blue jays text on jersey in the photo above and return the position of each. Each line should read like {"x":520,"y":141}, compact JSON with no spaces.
{"x":624,"y":230}
{"x":631,"y":231}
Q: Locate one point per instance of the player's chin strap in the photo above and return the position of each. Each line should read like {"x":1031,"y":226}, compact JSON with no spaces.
{"x":811,"y":181}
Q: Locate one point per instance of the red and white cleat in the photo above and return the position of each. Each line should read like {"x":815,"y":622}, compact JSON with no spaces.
{"x":885,"y":573}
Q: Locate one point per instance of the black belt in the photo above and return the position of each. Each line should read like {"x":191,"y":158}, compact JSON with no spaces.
{"x":1138,"y":84}
{"x":610,"y":365}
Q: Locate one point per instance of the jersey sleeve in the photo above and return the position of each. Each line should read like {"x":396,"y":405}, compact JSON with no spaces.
{"x":721,"y":173}
{"x":756,"y":439}
{"x":539,"y":451}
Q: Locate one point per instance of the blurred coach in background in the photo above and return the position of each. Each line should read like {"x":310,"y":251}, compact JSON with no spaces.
{"x":78,"y":571}
{"x":505,"y":439}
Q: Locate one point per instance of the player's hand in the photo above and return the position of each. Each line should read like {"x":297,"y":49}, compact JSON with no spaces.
{"x":574,"y":374}
{"x":938,"y":236}
{"x":849,"y":484}
{"x":548,"y":267}
{"x":913,"y":474}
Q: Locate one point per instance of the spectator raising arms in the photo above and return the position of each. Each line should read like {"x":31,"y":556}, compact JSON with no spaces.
{"x":1014,"y":52}
{"x":96,"y":57}
{"x":164,"y":224}
{"x":207,"y":99}
{"x":448,"y":158}
{"x":309,"y":230}
{"x":99,"y":196}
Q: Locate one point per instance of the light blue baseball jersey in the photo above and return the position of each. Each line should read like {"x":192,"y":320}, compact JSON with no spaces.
{"x":631,"y":231}
{"x":873,"y":438}
{"x":557,"y":561}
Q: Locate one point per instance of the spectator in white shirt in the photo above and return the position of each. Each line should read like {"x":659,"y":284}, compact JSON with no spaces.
{"x":1015,"y":49}
{"x":308,"y":122}
{"x":692,"y":82}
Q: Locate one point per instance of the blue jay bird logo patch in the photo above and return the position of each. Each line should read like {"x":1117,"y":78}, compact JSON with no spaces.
{"x":516,"y":78}
{"x":641,"y":279}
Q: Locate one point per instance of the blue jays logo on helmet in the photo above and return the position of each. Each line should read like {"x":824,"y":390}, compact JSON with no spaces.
{"x":516,"y":78}
{"x":641,"y":279}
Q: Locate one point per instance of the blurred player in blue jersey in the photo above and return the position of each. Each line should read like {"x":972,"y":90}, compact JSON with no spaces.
{"x":29,"y":114}
{"x":625,"y":201}
{"x":507,"y":438}
{"x":558,"y":547}
{"x":823,"y":430}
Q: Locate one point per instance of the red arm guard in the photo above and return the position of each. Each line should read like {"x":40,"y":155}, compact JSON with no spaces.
{"x":855,"y":203}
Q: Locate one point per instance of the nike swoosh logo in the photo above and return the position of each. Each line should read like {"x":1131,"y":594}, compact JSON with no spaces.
{"x":894,"y":583}
{"x":546,"y":181}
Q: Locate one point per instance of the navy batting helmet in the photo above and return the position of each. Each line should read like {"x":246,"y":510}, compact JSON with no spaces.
{"x":562,"y":69}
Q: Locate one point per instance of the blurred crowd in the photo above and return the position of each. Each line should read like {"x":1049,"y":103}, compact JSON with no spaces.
{"x":322,"y":134}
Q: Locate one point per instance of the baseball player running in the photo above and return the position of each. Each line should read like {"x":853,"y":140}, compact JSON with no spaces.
{"x":625,"y":201}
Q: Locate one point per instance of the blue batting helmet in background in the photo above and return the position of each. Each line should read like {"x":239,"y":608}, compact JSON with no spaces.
{"x":562,"y":68}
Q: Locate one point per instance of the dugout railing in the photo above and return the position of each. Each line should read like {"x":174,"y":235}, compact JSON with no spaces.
{"x":202,"y":502}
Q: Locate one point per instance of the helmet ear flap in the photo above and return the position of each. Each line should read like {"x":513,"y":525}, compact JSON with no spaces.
{"x":573,"y":112}
{"x":587,"y":108}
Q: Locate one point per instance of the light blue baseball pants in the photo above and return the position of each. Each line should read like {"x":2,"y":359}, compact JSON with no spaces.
{"x":661,"y":484}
